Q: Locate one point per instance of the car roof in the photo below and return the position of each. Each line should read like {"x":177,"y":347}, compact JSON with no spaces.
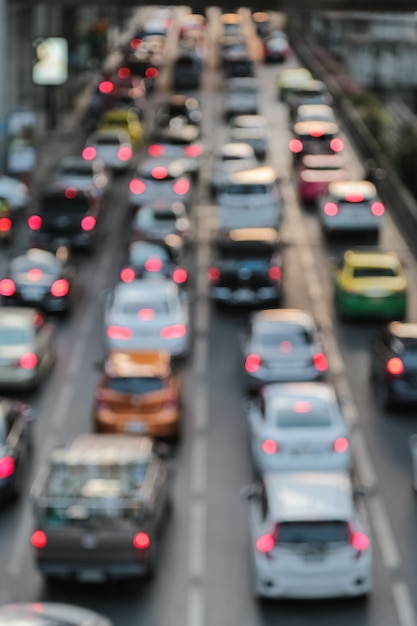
{"x":132,"y":363}
{"x":291,"y":74}
{"x":174,"y":166}
{"x":16,"y":316}
{"x":295,"y":316}
{"x":36,"y":255}
{"x":403,"y":330}
{"x":269,"y":235}
{"x":316,"y":161}
{"x":231,"y":18}
{"x":371,"y":258}
{"x":109,"y":133}
{"x":313,"y":85}
{"x":311,"y":109}
{"x":310,"y":126}
{"x":249,"y":121}
{"x":319,"y":390}
{"x":238,"y":149}
{"x":309,"y":496}
{"x":147,"y":288}
{"x":263,"y":175}
{"x":360,"y":188}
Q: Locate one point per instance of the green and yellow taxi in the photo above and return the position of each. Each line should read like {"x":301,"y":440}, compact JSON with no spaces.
{"x":370,"y":283}
{"x":127,"y":120}
{"x":290,"y":79}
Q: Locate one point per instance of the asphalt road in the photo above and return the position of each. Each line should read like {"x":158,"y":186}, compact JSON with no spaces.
{"x":203,"y":576}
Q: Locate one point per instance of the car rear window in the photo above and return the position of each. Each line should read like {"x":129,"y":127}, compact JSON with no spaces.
{"x":10,"y":336}
{"x":299,"y":413}
{"x":132,"y":307}
{"x":291,"y":335}
{"x":64,"y":205}
{"x":238,"y":190}
{"x":299,"y":533}
{"x":108,"y":141}
{"x":86,"y":171}
{"x":374,"y":272}
{"x":140,"y":254}
{"x":136,"y":386}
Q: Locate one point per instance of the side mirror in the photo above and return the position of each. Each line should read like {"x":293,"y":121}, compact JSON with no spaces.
{"x":249,"y":492}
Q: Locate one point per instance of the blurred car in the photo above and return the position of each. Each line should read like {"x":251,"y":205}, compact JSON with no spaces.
{"x":237,"y":64}
{"x":309,"y":536}
{"x":41,"y":279}
{"x":58,"y":614}
{"x":351,"y":206}
{"x":187,"y":70}
{"x":315,"y":138}
{"x":298,"y":427}
{"x":138,"y":394}
{"x":15,"y":446}
{"x":393,"y":363}
{"x":125,"y":120}
{"x":147,"y":260}
{"x":290,"y":79}
{"x":192,"y":22}
{"x":276,"y":47}
{"x":7,"y":220}
{"x":251,"y":129}
{"x":179,"y":106}
{"x":27,"y":348}
{"x":370,"y":283}
{"x":146,"y":60}
{"x":163,"y":223}
{"x":89,"y":176}
{"x":247,"y":268}
{"x":15,"y":192}
{"x":113,"y":147}
{"x":316,"y":172}
{"x":231,"y":43}
{"x":182,"y":141}
{"x":231,"y":23}
{"x":310,"y":92}
{"x":232,"y":157}
{"x":241,"y":97}
{"x":250,"y":199}
{"x":282,"y":345}
{"x":262,"y":22}
{"x":162,"y":178}
{"x":315,"y":113}
{"x":148,"y":315}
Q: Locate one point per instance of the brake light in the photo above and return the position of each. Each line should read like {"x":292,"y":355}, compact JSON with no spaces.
{"x":156,"y":150}
{"x":181,"y":187}
{"x":151,"y":72}
{"x":341,"y":444}
{"x":173,"y":332}
{"x":6,"y":467}
{"x":377,"y":209}
{"x":38,"y":539}
{"x":316,"y":132}
{"x":70,"y":193}
{"x":252,"y":363}
{"x":7,"y":287}
{"x":320,"y":362}
{"x":60,"y":288}
{"x":331,"y":209}
{"x":106,"y":86}
{"x":137,"y":187}
{"x":285,"y":346}
{"x":127,"y":275}
{"x":354,"y":197}
{"x":269,"y":446}
{"x":146,"y":314}
{"x":265,"y":543}
{"x":159,"y":172}
{"x":179,"y":276}
{"x":275,"y":273}
{"x":394,"y":366}
{"x":359,"y":541}
{"x":34,"y":274}
{"x":336,"y":144}
{"x":302,"y":406}
{"x":193,"y":151}
{"x":28,"y":361}
{"x":124,"y":153}
{"x":153,"y":264}
{"x":119,"y":332}
{"x":295,"y":145}
{"x":213,"y":273}
{"x":89,"y":153}
{"x":5,"y":224}
{"x":124,"y":72}
{"x":135,"y":43}
{"x":141,"y":541}
{"x":88,"y":222}
{"x":35,"y":222}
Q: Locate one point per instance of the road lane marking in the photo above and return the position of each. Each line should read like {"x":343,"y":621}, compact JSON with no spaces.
{"x":202,"y":317}
{"x":63,"y":404}
{"x":385,"y":536}
{"x":365,"y":468}
{"x":201,"y":407}
{"x":76,"y":358}
{"x":200,"y":355}
{"x":20,"y":545}
{"x":196,"y":606}
{"x":199,"y":467}
{"x":197,"y":539}
{"x":404,"y":604}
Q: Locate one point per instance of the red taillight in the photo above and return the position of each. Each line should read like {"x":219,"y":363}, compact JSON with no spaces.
{"x":252,"y":363}
{"x":135,"y":43}
{"x":127,"y":275}
{"x":359,"y":541}
{"x":5,"y":224}
{"x":137,"y":186}
{"x":285,"y":346}
{"x":296,"y":146}
{"x":179,"y":276}
{"x":6,"y":467}
{"x":89,"y":153}
{"x":60,"y":288}
{"x":213,"y":273}
{"x":151,"y":72}
{"x":34,"y":274}
{"x":275,"y":273}
{"x":70,"y":193}
{"x":119,"y":332}
{"x":265,"y":543}
{"x":316,"y":132}
{"x":124,"y":72}
{"x":124,"y":153}
{"x":377,"y":209}
{"x":7,"y":287}
{"x":181,"y":187}
{"x":173,"y":332}
{"x":28,"y":361}
{"x":320,"y":362}
{"x":88,"y":222}
{"x":156,"y":150}
{"x":394,"y":366}
{"x":354,"y":197}
{"x":146,"y":314}
{"x":331,"y":209}
{"x":154,"y":264}
{"x":269,"y":446}
{"x":141,"y":541}
{"x":341,"y":444}
{"x":193,"y":151}
{"x":106,"y":86}
{"x":159,"y":172}
{"x":35,"y":222}
{"x":38,"y":539}
{"x":336,"y":144}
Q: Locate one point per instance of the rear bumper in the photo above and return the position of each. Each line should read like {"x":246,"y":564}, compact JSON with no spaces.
{"x":93,"y":572}
{"x":393,"y":307}
{"x":168,"y":426}
{"x":257,"y":380}
{"x":242,"y":296}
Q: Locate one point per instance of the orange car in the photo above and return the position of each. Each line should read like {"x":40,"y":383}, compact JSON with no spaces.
{"x":138,"y":394}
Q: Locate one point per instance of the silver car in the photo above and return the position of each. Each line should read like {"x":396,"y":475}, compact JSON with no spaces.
{"x":83,"y":175}
{"x":149,"y":314}
{"x":241,"y":96}
{"x":27,"y":348}
{"x":165,"y":223}
{"x":251,"y":129}
{"x":161,"y":179}
{"x":113,"y":147}
{"x":232,"y":157}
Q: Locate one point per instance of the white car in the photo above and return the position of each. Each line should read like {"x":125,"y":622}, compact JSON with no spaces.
{"x":83,"y":175}
{"x":149,"y":314}
{"x":251,"y":129}
{"x":160,"y":179}
{"x":14,"y":191}
{"x":315,"y":112}
{"x":232,"y":157}
{"x":298,"y":426}
{"x":241,"y":96}
{"x":113,"y":147}
{"x":309,"y":537}
{"x":250,"y":199}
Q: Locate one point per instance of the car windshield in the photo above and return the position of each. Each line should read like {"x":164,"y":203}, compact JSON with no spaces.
{"x":13,"y":336}
{"x":374,"y":272}
{"x":136,"y":386}
{"x":284,"y":336}
{"x":313,"y":532}
{"x":152,"y":307}
{"x":291,"y":412}
{"x":247,"y":190}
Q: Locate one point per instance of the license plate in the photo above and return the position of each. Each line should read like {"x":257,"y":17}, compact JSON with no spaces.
{"x":313,"y":557}
{"x":243,"y":295}
{"x":32,"y":294}
{"x":91,"y":576}
{"x":135,"y":427}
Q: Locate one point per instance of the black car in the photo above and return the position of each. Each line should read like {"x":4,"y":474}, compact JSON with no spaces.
{"x":149,"y":260}
{"x":237,"y":64}
{"x":65,"y":216}
{"x":15,"y":444}
{"x":247,"y":268}
{"x":394,"y":363}
{"x":51,"y":613}
{"x":181,"y":106}
{"x":39,"y":278}
{"x":187,"y":71}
